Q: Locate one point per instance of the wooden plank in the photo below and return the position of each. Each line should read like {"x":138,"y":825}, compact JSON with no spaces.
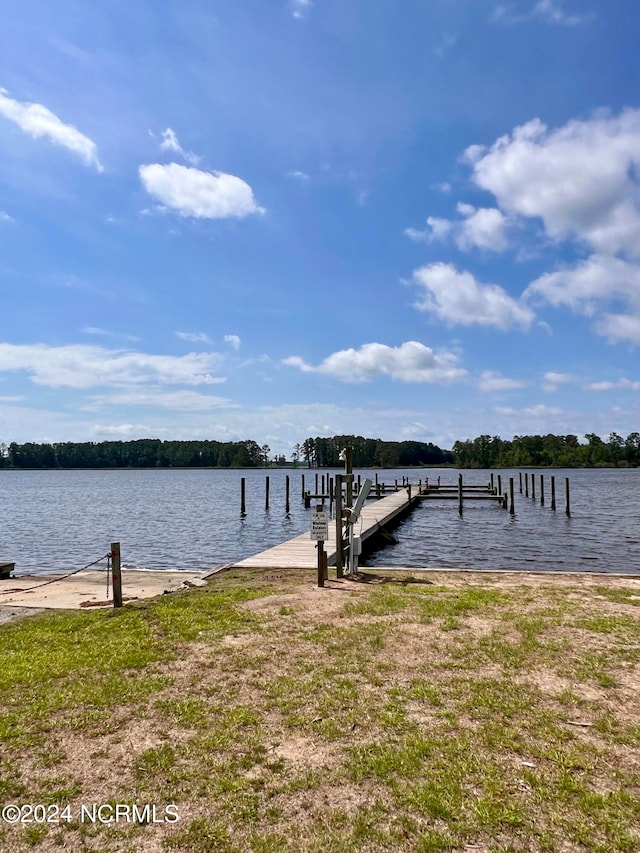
{"x":300,"y":552}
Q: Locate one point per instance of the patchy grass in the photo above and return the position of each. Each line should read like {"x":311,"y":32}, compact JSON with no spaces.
{"x":439,"y":712}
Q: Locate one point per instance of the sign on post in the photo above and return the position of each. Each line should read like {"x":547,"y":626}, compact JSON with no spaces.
{"x":319,"y":526}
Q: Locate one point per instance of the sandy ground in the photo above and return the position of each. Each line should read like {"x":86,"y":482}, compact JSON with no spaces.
{"x":85,"y":589}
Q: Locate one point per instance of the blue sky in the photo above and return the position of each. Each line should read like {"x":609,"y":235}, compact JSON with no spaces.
{"x":273,"y":219}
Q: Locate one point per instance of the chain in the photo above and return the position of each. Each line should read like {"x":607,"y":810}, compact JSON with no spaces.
{"x":55,"y":580}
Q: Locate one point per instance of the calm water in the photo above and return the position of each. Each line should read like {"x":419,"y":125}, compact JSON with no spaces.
{"x":190,"y":519}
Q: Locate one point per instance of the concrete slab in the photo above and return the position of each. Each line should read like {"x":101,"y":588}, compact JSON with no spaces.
{"x":88,"y":588}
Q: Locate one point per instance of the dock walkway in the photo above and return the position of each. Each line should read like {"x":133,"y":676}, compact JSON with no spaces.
{"x":301,"y":553}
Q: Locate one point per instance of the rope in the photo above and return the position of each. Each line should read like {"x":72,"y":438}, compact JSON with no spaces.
{"x":55,"y":580}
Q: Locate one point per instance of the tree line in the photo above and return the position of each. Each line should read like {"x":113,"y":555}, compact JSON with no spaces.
{"x":485,"y":451}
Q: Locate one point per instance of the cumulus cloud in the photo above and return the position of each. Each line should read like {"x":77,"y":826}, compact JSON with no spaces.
{"x":457,"y":297}
{"x":492,"y":381}
{"x":589,"y":283}
{"x":80,"y":366}
{"x":194,"y":337}
{"x":482,"y":228}
{"x":202,"y":195}
{"x":410,"y":362}
{"x":38,"y":121}
{"x":171,"y":143}
{"x":233,"y":340}
{"x":581,"y":179}
{"x":620,"y":327}
{"x":4,"y":217}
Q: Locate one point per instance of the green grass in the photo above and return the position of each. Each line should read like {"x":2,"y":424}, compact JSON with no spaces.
{"x":408,"y":716}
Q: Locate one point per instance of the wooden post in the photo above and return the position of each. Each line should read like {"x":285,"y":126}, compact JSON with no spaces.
{"x":303,"y":487}
{"x":316,"y":482}
{"x":396,"y":485}
{"x":339,"y":554}
{"x":320,"y":548}
{"x":526,"y":485}
{"x":266,"y":492}
{"x":553,"y":493}
{"x":377,"y":490}
{"x":460,"y":493}
{"x":533,"y":487}
{"x":520,"y":475}
{"x":116,"y":574}
{"x":512,"y":508}
{"x":541,"y":489}
{"x":348,"y":467}
{"x":499,"y":484}
{"x":286,"y":495}
{"x":322,"y":483}
{"x":492,"y":487}
{"x":409,"y":489}
{"x":359,"y":482}
{"x":243,"y":505}
{"x":330,"y":494}
{"x":376,"y":479}
{"x":566,"y":493}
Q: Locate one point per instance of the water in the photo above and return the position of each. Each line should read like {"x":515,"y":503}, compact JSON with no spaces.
{"x":56,"y":521}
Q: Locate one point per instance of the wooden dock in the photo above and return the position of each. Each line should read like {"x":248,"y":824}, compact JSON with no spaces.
{"x":301,"y":553}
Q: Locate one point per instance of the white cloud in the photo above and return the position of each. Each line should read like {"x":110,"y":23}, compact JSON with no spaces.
{"x":234,"y":340}
{"x":492,"y":381}
{"x":184,"y":400}
{"x":299,"y":7}
{"x":581,"y":180}
{"x":105,"y":333}
{"x":203,"y":195}
{"x":552,"y":380}
{"x":620,"y":327}
{"x":194,"y":337}
{"x":624,"y":384}
{"x":548,"y":11}
{"x":170,"y":142}
{"x":589,"y":283}
{"x":80,"y":366}
{"x":482,"y":228}
{"x":4,"y":217}
{"x":457,"y":297}
{"x":38,"y":121}
{"x":443,"y":187}
{"x":301,"y":176}
{"x":410,"y":362}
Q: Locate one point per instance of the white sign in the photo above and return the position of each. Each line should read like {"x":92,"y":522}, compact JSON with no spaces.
{"x":319,"y":526}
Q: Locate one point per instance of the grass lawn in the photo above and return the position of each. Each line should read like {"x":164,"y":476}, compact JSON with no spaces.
{"x":428,"y":712}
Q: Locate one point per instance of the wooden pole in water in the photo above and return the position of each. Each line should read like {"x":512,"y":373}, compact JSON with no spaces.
{"x":499,"y":484}
{"x":541,"y":489}
{"x":266,"y":492}
{"x":116,"y":574}
{"x":520,"y":475}
{"x":316,"y":482}
{"x":359,"y":482}
{"x":322,"y":483}
{"x":339,"y":555}
{"x":526,"y":485}
{"x":553,"y":493}
{"x":533,"y":487}
{"x":460,"y":493}
{"x":492,"y":486}
{"x":286,"y":495}
{"x":512,"y":508}
{"x":566,"y":493}
{"x":243,"y":505}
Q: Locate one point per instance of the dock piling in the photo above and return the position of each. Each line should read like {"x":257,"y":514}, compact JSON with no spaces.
{"x":566,"y":492}
{"x":243,"y":504}
{"x":553,"y":493}
{"x":460,"y":492}
{"x":286,"y":498}
{"x":541,"y":489}
{"x":266,"y":492}
{"x":512,"y":508}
